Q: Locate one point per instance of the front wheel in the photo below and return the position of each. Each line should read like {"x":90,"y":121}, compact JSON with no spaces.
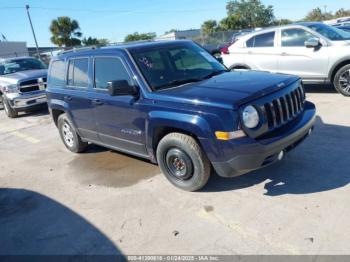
{"x":1,"y":101}
{"x":183,"y":162}
{"x":9,"y":111}
{"x":69,"y":136}
{"x":342,"y":80}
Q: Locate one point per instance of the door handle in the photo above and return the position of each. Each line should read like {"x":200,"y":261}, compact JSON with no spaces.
{"x":68,"y":98}
{"x":284,"y":54}
{"x":97,"y":102}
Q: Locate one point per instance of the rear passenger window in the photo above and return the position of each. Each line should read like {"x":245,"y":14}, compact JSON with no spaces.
{"x":263,"y":40}
{"x":295,"y":37}
{"x":57,"y":73}
{"x":109,"y":69}
{"x":78,"y":72}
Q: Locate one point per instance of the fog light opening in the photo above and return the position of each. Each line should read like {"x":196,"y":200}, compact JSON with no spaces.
{"x":280,"y":155}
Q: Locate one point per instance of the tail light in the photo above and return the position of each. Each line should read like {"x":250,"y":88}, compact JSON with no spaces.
{"x":225,"y":50}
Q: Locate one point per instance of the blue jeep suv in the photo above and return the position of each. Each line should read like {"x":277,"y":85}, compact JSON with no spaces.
{"x":176,"y":105}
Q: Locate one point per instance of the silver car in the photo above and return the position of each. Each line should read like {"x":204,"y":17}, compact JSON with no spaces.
{"x":316,"y":52}
{"x":22,"y":85}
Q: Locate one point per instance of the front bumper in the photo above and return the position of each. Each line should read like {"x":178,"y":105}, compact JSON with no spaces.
{"x":258,"y":154}
{"x":26,"y":101}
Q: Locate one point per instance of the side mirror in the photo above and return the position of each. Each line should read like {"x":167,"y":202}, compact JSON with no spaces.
{"x":312,"y":43}
{"x":121,"y":88}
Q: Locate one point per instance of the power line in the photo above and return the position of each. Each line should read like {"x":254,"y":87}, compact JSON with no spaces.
{"x":111,"y":11}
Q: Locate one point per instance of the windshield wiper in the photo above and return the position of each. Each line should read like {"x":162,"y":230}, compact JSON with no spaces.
{"x":179,"y":82}
{"x":214,"y":73}
{"x":190,"y":80}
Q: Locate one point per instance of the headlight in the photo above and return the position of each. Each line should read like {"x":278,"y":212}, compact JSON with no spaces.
{"x":11,"y":89}
{"x":250,"y":117}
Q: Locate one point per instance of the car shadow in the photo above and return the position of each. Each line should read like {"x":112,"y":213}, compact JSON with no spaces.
{"x":33,"y":224}
{"x":320,"y":163}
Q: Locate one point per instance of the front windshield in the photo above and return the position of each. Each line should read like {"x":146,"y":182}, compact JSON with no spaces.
{"x":171,"y":66}
{"x":18,"y":65}
{"x":332,"y":33}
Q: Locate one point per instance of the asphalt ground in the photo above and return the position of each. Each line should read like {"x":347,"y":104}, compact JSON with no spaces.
{"x":103,"y":202}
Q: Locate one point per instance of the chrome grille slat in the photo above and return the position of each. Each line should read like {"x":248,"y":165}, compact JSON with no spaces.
{"x":283,"y":109}
{"x":32,"y":85}
{"x":295,"y":103}
{"x":291,"y":106}
{"x":273,"y":114}
{"x":277,"y":112}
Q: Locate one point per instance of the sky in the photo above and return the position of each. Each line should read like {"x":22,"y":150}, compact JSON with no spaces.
{"x":114,"y":19}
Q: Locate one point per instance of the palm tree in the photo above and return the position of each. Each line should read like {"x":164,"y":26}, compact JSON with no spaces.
{"x":65,"y":32}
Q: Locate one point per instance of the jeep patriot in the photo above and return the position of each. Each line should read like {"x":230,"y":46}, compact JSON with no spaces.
{"x":174,"y":104}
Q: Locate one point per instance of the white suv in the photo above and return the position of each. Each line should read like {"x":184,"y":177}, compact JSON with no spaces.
{"x":316,"y":52}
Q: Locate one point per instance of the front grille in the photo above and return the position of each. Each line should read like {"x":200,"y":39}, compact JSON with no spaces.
{"x":277,"y":110}
{"x":285,"y":108}
{"x":32,"y":85}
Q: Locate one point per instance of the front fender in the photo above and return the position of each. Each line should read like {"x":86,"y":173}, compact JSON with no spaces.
{"x":190,"y":123}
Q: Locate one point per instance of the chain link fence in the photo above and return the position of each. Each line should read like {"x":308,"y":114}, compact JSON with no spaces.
{"x":215,"y":41}
{"x":215,"y":38}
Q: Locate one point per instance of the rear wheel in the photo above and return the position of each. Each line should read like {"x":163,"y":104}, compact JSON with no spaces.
{"x":342,"y":80}
{"x":183,"y":162}
{"x":69,"y":136}
{"x":9,"y":111}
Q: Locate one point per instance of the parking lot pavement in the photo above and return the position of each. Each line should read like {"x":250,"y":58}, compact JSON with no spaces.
{"x":103,"y":202}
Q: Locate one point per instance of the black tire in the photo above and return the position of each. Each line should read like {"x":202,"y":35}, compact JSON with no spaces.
{"x":9,"y":111}
{"x":71,"y":140}
{"x":342,"y":80}
{"x":1,"y":101}
{"x":183,"y":162}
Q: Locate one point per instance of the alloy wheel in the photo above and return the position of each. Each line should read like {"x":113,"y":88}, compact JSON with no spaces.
{"x":68,"y":134}
{"x":344,"y":81}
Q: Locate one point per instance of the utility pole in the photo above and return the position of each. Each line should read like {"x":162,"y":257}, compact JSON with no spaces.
{"x":31,"y":26}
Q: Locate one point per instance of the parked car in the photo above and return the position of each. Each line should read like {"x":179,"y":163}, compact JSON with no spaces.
{"x":235,"y":37}
{"x":214,"y":49}
{"x":344,"y":27}
{"x":316,"y":52}
{"x":176,"y":105}
{"x":22,"y":84}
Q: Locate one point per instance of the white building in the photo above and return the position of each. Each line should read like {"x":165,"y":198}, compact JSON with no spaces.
{"x":13,"y":49}
{"x":177,"y":35}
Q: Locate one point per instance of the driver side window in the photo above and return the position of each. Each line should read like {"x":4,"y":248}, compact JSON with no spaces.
{"x":109,"y":69}
{"x":295,"y":37}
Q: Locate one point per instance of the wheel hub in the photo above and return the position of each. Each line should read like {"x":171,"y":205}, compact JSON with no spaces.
{"x":68,"y":135}
{"x":179,"y":164}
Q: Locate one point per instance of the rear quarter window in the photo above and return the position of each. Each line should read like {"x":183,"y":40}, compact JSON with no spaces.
{"x":262,"y":40}
{"x":57,"y":73}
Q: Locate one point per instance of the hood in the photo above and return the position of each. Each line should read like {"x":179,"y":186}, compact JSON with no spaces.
{"x":230,"y":89}
{"x":23,"y":75}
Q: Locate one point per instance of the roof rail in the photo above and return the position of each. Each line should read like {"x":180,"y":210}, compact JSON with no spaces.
{"x":78,"y":49}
